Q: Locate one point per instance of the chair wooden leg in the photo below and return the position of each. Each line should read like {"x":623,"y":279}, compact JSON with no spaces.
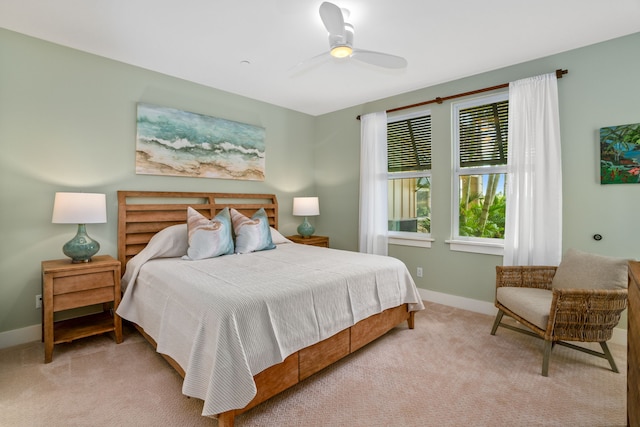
{"x":545,"y":358}
{"x":609,"y":357}
{"x":496,"y":323}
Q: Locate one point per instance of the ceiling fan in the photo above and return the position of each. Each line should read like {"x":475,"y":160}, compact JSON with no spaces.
{"x":341,"y":40}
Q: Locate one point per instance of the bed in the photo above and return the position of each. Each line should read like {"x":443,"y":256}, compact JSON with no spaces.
{"x":242,"y":328}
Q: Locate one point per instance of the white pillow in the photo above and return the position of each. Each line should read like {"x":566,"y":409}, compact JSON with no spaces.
{"x":170,"y":242}
{"x":278,"y":238}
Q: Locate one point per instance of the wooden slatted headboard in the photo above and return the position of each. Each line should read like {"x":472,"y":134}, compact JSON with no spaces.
{"x":141,"y":214}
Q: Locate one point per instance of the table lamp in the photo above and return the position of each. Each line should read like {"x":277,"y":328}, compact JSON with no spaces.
{"x":306,"y":206}
{"x":81,"y":209}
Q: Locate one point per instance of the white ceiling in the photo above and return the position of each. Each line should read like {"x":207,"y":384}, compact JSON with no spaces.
{"x":207,"y":41}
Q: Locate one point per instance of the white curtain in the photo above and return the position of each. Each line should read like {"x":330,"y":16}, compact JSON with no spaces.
{"x":533,"y":229}
{"x":373,"y":183}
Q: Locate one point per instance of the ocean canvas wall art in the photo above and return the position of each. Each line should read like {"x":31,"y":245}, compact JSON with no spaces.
{"x":180,"y":143}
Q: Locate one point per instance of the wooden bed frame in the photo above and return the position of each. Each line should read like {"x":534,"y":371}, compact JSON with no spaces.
{"x":141,"y":214}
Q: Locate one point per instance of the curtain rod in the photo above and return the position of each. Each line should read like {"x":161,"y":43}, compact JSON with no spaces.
{"x":439,"y":100}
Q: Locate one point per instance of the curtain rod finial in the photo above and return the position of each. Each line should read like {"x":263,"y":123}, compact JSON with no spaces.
{"x":560,"y":72}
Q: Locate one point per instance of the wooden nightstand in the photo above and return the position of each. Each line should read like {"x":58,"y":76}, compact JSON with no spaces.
{"x":322,"y":241}
{"x":66,"y":285}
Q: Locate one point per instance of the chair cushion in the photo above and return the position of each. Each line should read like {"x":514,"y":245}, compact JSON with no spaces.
{"x":581,"y":270}
{"x":532,"y":304}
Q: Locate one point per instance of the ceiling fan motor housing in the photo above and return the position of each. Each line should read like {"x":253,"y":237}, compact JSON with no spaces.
{"x":342,"y":44}
{"x":341,"y":40}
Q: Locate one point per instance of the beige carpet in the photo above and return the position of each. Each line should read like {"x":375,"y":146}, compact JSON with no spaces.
{"x":449,"y":371}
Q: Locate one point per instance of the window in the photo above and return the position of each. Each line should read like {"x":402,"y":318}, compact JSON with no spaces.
{"x":409,"y":179}
{"x":480,"y":155}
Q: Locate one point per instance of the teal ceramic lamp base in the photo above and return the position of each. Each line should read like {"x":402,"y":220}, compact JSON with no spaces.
{"x":306,"y":229}
{"x":82,"y":247}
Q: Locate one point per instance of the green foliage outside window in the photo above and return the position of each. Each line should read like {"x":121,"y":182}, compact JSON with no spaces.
{"x":475,"y":221}
{"x":423,"y":203}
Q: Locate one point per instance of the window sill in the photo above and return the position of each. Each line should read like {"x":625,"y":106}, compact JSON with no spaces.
{"x":409,"y":239}
{"x":488,"y":248}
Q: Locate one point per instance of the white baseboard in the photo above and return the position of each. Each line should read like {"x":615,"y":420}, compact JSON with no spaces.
{"x":484,"y":307}
{"x":619,"y":336}
{"x":20,"y":336}
{"x":33,"y":332}
{"x":464,"y":303}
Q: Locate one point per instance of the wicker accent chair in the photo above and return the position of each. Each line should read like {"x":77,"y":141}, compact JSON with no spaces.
{"x":580,"y":300}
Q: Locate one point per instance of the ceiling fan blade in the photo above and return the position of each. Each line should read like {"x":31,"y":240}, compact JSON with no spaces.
{"x":332,"y":18}
{"x":378,"y":58}
{"x":309,"y":62}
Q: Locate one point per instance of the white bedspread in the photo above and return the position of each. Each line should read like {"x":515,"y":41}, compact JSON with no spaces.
{"x":228,"y":318}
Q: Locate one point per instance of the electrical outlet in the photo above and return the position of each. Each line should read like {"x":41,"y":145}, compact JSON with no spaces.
{"x":38,"y":301}
{"x":419,"y":272}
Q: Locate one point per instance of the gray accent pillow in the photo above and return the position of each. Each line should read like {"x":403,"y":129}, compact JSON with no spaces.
{"x":581,"y":270}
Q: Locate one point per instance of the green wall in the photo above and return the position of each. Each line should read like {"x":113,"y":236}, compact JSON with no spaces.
{"x":67,"y":123}
{"x":601,"y":89}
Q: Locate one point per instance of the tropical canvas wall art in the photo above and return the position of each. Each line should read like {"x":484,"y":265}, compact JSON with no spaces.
{"x":180,"y":143}
{"x":620,"y":154}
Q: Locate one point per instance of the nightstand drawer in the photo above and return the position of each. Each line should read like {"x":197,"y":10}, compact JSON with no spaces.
{"x":77,"y":282}
{"x":82,"y":298}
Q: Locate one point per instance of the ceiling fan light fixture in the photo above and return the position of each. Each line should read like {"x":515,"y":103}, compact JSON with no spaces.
{"x":341,"y":51}
{"x":341,"y":35}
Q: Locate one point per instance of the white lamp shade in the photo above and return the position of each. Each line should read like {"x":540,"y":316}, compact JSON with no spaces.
{"x":306,"y":206}
{"x":79,"y":208}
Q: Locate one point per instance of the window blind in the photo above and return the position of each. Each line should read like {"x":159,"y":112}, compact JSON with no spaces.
{"x":483,"y":135}
{"x":409,"y":144}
